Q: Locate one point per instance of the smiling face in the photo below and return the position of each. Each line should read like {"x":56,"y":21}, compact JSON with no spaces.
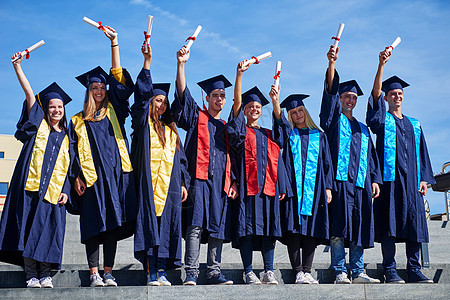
{"x":159,"y":104}
{"x":394,"y":98}
{"x":252,"y":111}
{"x":216,"y":100}
{"x":348,"y":100}
{"x":55,"y":110}
{"x":98,"y":91}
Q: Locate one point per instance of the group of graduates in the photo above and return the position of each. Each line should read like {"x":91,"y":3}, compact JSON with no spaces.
{"x":231,"y":181}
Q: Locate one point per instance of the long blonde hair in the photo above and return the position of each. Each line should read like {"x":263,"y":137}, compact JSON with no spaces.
{"x":308,"y":120}
{"x":89,"y":106}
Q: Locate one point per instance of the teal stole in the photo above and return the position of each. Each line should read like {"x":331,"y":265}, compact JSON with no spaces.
{"x":305,"y":188}
{"x":345,"y":138}
{"x":390,"y":146}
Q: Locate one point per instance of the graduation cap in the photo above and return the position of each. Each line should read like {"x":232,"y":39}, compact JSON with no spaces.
{"x":253,"y":94}
{"x":293,"y":101}
{"x":217,"y":82}
{"x":95,"y":75}
{"x":393,"y":83}
{"x":53,"y":91}
{"x":350,"y":86}
{"x":161,"y":89}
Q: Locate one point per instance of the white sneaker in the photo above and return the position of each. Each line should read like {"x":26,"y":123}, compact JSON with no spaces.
{"x":299,"y":278}
{"x":46,"y":282}
{"x":308,"y":279}
{"x":364,"y":278}
{"x":342,"y":279}
{"x":269,"y":278}
{"x":109,"y":280}
{"x":251,"y":278}
{"x":33,"y":283}
{"x":96,"y":280}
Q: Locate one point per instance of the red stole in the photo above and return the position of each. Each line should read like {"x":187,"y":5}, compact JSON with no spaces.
{"x":203,"y":148}
{"x":251,"y":169}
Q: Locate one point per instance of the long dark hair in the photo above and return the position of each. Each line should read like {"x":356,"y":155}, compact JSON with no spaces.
{"x":167,"y":119}
{"x":62,"y":123}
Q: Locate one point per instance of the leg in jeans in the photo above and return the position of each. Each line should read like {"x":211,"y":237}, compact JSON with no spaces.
{"x":268,"y":249}
{"x":151,"y":264}
{"x":109,"y":250}
{"x":412,"y":255}
{"x":388,"y":251}
{"x":337,"y":255}
{"x":246,"y":250}
{"x":30,"y":267}
{"x":192,"y":255}
{"x":293,"y":246}
{"x":356,"y":259}
{"x":214,"y":255}
{"x":44,"y":269}
{"x":161,"y":264}
{"x":308,"y":250}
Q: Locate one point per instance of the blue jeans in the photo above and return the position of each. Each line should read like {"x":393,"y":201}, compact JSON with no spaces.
{"x":267,"y":251}
{"x":412,"y":254}
{"x":155,"y":263}
{"x":338,"y":257}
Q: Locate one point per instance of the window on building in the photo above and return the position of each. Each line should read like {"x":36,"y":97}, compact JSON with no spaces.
{"x":2,"y":154}
{"x":3,"y":188}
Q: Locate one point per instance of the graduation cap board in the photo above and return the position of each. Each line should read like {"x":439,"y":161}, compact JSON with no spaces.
{"x":350,"y":86}
{"x":393,"y":83}
{"x":161,"y":89}
{"x":213,"y":83}
{"x":95,"y":75}
{"x":53,"y":91}
{"x":293,"y":101}
{"x":253,"y":94}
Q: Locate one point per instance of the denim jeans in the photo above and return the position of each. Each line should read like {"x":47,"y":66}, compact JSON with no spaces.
{"x":388,"y":251}
{"x":155,"y":263}
{"x":267,"y":251}
{"x":338,"y":257}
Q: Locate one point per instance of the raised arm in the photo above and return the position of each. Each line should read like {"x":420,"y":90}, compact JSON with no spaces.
{"x":182,"y":58}
{"x":383,"y":58}
{"x":332,"y":56}
{"x":238,"y":88}
{"x":275,"y":96}
{"x":115,"y":55}
{"x":26,"y":87}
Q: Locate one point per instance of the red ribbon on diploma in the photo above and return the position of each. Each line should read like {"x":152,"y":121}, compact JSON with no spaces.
{"x":277,"y":75}
{"x":28,"y":54}
{"x":335,"y":38}
{"x":100,"y":26}
{"x":147,"y":36}
{"x":190,"y":38}
{"x":256,"y":60}
{"x":389,"y":47}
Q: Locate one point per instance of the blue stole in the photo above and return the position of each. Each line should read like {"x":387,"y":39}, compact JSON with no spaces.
{"x":305,"y":188}
{"x":345,"y":138}
{"x":390,"y":146}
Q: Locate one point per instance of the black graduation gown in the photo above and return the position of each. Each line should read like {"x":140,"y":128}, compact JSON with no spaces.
{"x":147,"y":235}
{"x":400,"y":211}
{"x":31,"y":226}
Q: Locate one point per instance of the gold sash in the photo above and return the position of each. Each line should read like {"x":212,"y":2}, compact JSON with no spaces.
{"x":84,"y":147}
{"x":59,"y":171}
{"x":161,"y":164}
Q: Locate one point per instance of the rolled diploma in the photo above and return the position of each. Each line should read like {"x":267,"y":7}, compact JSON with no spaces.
{"x":277,"y":77}
{"x":259,"y":58}
{"x":196,"y":32}
{"x":30,"y":49}
{"x":338,"y":34}
{"x":96,"y":25}
{"x":149,"y":32}
{"x":394,"y":44}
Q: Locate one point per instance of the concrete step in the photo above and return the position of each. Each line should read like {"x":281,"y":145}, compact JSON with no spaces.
{"x":322,"y":291}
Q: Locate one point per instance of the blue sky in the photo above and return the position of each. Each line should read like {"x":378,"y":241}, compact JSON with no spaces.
{"x":296,"y":32}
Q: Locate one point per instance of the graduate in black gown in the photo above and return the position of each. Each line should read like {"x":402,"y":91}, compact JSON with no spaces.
{"x":209,"y":164}
{"x":262,"y":181}
{"x":306,"y":154}
{"x":104,"y":191}
{"x":160,"y":169}
{"x":34,"y":216}
{"x":406,"y":168}
{"x":358,"y":176}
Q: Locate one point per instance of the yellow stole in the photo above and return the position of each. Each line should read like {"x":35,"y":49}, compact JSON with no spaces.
{"x":59,"y":171}
{"x":84,"y":147}
{"x":161,"y":164}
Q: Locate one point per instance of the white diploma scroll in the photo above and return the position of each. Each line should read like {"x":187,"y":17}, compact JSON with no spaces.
{"x":277,"y":74}
{"x":256,"y":60}
{"x":338,"y":34}
{"x":99,"y":26}
{"x":192,"y":38}
{"x":148,"y":33}
{"x":394,"y":44}
{"x":27,"y":51}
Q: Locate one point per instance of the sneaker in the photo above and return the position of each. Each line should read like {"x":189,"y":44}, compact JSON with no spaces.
{"x":162,"y":278}
{"x":46,"y":282}
{"x":109,"y":280}
{"x":152,"y":280}
{"x":218,"y":278}
{"x":364,"y":278}
{"x":342,"y":279}
{"x":191,"y":278}
{"x":308,"y":279}
{"x":96,"y":280}
{"x":33,"y":283}
{"x":251,"y":278}
{"x":392,"y":276}
{"x":415,"y":276}
{"x":299,"y":277}
{"x":269,"y":278}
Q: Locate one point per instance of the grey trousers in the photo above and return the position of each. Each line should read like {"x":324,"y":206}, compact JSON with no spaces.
{"x":192,"y":255}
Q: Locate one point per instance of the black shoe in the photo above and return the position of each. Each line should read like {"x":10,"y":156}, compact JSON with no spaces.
{"x":415,"y":276}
